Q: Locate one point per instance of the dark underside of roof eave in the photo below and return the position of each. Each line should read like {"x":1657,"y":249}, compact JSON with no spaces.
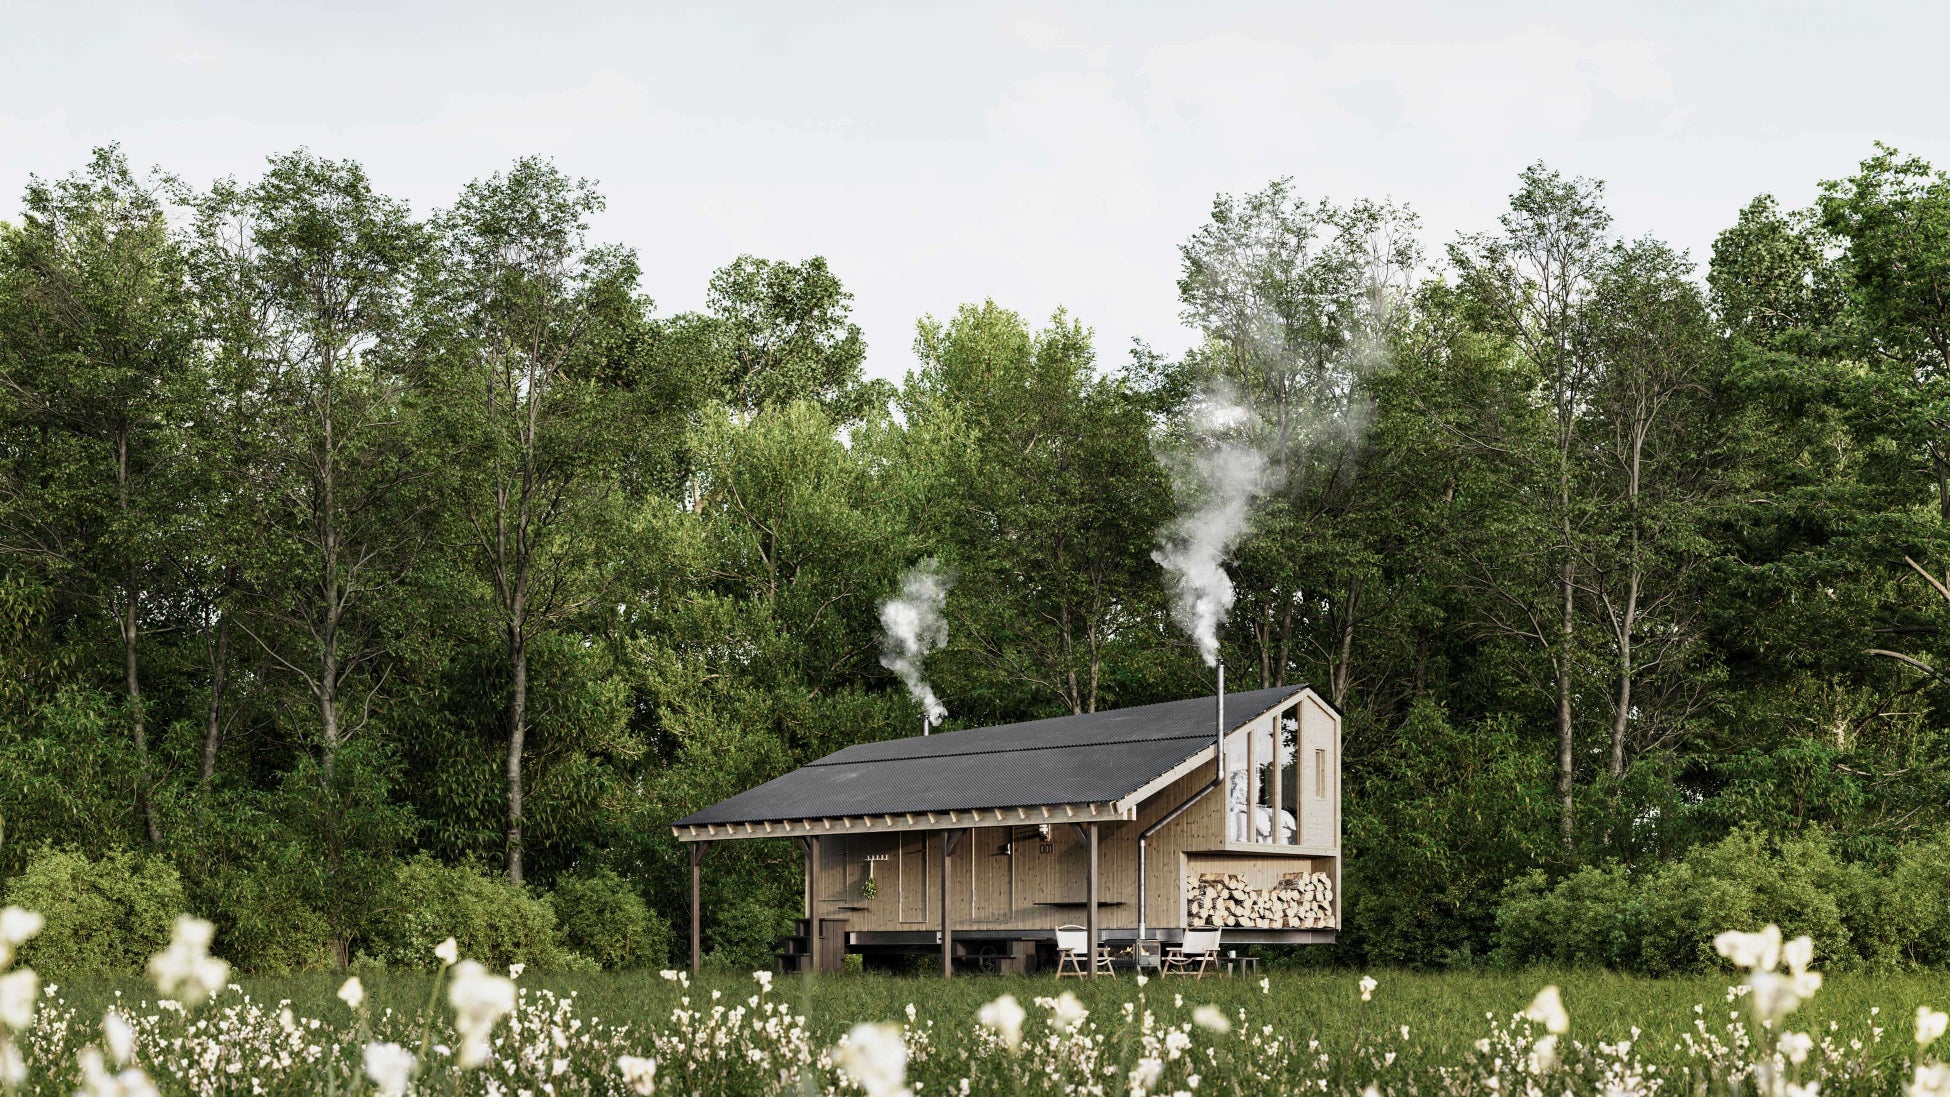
{"x":1094,"y":758}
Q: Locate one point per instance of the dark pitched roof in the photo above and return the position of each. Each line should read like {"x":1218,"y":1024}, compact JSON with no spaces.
{"x":1094,"y":758}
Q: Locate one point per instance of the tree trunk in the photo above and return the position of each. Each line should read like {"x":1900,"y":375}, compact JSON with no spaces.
{"x":517,"y":742}
{"x":1941,"y":468}
{"x":213,"y":714}
{"x":130,"y":624}
{"x":132,"y":682}
{"x":1344,"y":661}
{"x":328,"y":645}
{"x":1621,"y":714}
{"x":1566,"y":761}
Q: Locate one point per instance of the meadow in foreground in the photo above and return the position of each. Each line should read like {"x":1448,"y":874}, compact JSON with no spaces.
{"x":1779,"y":1032}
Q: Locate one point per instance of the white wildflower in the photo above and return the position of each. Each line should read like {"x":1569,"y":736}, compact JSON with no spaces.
{"x":1753,"y":951}
{"x":1543,"y":1055}
{"x":638,"y":1073}
{"x":13,"y":1068}
{"x":1367,"y":988}
{"x":185,"y":971}
{"x":1812,"y":1089}
{"x":1066,"y":1012}
{"x":448,"y":951}
{"x":1796,"y":1045}
{"x":1930,"y":1025}
{"x":515,"y":970}
{"x":119,"y":1037}
{"x":1005,"y":1016}
{"x":1547,"y":1009}
{"x":1799,"y":953}
{"x":669,"y":976}
{"x":764,"y":980}
{"x":1931,"y":1080}
{"x":390,"y":1067}
{"x":479,"y":1000}
{"x":875,"y":1057}
{"x":1372,"y":1091}
{"x":96,"y":1081}
{"x":17,"y":925}
{"x":19,"y":992}
{"x":1266,"y":986}
{"x":353,"y":993}
{"x":1212,"y":1019}
{"x":1149,"y":1070}
{"x":1774,"y":996}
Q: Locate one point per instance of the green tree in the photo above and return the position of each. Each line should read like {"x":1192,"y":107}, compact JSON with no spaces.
{"x":327,"y":260}
{"x":533,"y":389}
{"x":783,"y":334}
{"x":1655,"y":482}
{"x":1892,"y":219}
{"x":1299,"y":303}
{"x":1531,"y":284}
{"x":1053,"y":500}
{"x":98,"y":373}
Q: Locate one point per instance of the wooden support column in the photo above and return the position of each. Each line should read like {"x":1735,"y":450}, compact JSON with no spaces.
{"x":948,"y":838}
{"x":697,"y":907}
{"x":1090,"y":918}
{"x":812,"y":904}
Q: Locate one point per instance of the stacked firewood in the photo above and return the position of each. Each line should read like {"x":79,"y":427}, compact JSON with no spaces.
{"x":1301,"y":900}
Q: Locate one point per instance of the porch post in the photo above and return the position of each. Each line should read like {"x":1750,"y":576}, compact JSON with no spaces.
{"x":947,"y":929}
{"x":697,"y":935}
{"x":1091,"y":918}
{"x":812,"y":903}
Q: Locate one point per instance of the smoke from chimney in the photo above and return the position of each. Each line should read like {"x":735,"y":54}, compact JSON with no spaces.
{"x":915,"y":626}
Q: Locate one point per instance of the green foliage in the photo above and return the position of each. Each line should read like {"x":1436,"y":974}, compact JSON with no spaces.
{"x":105,"y":915}
{"x":1660,"y":919}
{"x":1434,"y":828}
{"x":338,"y":545}
{"x":743,"y":931}
{"x":1917,"y":906}
{"x":493,"y":921}
{"x":598,"y":915}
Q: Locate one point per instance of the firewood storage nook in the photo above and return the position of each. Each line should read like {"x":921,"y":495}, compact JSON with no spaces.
{"x":978,"y":844}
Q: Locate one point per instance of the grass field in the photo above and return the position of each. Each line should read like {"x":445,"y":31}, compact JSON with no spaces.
{"x":1304,"y":1032}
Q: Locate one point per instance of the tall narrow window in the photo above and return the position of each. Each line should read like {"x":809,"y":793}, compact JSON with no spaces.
{"x":1320,"y":774}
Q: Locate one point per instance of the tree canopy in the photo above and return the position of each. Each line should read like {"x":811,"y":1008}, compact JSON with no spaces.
{"x":336,"y":537}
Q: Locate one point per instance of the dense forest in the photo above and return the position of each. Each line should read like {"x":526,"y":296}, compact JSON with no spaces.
{"x":346,"y":550}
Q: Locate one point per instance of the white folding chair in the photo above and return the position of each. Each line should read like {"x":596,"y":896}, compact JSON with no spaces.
{"x":1073,"y":953}
{"x":1197,"y":954}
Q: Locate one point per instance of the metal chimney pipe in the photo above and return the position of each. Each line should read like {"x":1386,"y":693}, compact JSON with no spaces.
{"x":1225,"y":786}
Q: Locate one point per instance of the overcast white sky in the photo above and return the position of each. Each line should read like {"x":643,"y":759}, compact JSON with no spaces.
{"x":936,"y":153}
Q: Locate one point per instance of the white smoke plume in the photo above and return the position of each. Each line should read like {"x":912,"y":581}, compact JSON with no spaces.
{"x":914,"y":626}
{"x":1216,"y":486}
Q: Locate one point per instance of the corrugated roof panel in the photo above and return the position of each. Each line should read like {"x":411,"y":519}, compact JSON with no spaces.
{"x":1064,"y":760}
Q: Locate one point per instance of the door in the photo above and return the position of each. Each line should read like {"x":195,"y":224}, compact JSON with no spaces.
{"x":914,"y":877}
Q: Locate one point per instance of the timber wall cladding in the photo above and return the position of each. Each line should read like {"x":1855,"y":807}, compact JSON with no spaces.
{"x":1320,"y":777}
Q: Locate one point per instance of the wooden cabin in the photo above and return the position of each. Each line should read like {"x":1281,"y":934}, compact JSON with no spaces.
{"x":980,"y":843}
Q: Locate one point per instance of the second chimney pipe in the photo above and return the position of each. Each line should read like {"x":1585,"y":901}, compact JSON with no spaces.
{"x":1225,"y":788}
